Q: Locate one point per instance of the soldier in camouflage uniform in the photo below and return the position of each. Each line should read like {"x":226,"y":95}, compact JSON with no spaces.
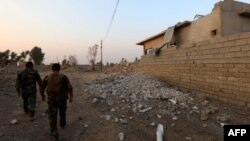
{"x":59,"y":90}
{"x":26,"y":86}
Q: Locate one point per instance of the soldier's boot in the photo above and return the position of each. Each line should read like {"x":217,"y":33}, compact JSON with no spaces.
{"x":25,"y":103}
{"x":25,"y":108}
{"x":55,"y":135}
{"x":32,"y":114}
{"x":62,"y":123}
{"x":26,"y":111}
{"x":62,"y":113}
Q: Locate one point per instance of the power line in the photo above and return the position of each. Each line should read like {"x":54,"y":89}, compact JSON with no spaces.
{"x":112,"y":19}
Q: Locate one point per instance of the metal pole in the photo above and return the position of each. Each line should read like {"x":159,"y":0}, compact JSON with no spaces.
{"x":101,"y":55}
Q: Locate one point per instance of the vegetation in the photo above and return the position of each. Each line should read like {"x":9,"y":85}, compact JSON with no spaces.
{"x":37,"y":55}
{"x":136,"y":60}
{"x":92,"y":53}
{"x":72,"y":60}
{"x":5,"y":55}
{"x":13,"y":56}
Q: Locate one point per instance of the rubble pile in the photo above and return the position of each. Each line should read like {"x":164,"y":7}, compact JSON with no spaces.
{"x":142,"y":93}
{"x":134,"y":88}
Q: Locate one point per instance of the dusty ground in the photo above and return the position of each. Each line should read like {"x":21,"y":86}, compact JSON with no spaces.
{"x":84,"y":112}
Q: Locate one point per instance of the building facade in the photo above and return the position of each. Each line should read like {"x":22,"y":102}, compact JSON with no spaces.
{"x":210,"y":55}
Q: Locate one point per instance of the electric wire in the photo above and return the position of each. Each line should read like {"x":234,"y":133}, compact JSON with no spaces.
{"x":111,"y":21}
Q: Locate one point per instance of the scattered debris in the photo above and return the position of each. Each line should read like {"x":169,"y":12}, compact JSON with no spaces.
{"x":173,"y":101}
{"x":140,"y":106}
{"x":174,"y":118}
{"x":222,"y":124}
{"x":121,"y":136}
{"x":188,"y":138}
{"x":124,"y":121}
{"x":110,"y":101}
{"x":204,"y":103}
{"x":95,"y":100}
{"x":145,"y":110}
{"x":195,"y":108}
{"x":223,"y":118}
{"x":135,"y":93}
{"x":86,"y":125}
{"x":14,"y":121}
{"x":1,"y":134}
{"x":112,"y":110}
{"x":204,"y":125}
{"x":116,"y":120}
{"x":152,"y":124}
{"x":107,"y":117}
{"x":159,"y":116}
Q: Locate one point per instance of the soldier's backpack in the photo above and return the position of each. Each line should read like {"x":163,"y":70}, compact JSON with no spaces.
{"x":28,"y":78}
{"x":55,"y":83}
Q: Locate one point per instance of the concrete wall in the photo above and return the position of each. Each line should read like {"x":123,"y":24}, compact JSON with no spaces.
{"x":200,"y":29}
{"x":231,"y":21}
{"x":218,"y":68}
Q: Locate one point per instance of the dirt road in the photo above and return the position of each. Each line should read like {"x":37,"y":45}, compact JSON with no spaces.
{"x":87,"y":120}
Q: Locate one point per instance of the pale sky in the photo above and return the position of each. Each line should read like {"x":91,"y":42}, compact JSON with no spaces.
{"x":68,"y":27}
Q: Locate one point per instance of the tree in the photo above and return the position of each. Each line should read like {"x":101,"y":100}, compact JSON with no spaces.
{"x":5,"y":55}
{"x":36,"y":55}
{"x":18,"y":58}
{"x":13,"y":56}
{"x":64,"y":62}
{"x":23,"y":55}
{"x":123,"y":60}
{"x":136,"y":60}
{"x":72,"y":60}
{"x":92,"y":53}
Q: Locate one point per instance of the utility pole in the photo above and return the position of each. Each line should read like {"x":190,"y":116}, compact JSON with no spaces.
{"x":101,"y":55}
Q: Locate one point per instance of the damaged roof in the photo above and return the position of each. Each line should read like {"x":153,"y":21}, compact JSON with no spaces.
{"x":179,"y":25}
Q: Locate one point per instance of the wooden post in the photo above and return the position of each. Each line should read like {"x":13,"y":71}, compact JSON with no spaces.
{"x":101,"y":55}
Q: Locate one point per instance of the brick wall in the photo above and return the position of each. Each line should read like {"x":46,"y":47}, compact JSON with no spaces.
{"x":218,"y":68}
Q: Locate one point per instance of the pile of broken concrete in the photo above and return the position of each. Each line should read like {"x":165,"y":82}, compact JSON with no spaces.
{"x":134,"y":88}
{"x":137,"y":90}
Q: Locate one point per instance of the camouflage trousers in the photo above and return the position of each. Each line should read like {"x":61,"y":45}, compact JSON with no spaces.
{"x":29,"y":103}
{"x":55,"y":105}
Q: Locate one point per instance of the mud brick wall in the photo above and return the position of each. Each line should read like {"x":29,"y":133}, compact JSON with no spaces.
{"x":218,"y":68}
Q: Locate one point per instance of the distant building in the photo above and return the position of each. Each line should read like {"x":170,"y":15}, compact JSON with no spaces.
{"x":210,"y":55}
{"x":227,"y":17}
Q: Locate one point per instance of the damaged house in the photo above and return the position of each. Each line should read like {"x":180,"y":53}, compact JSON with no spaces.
{"x":210,"y":55}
